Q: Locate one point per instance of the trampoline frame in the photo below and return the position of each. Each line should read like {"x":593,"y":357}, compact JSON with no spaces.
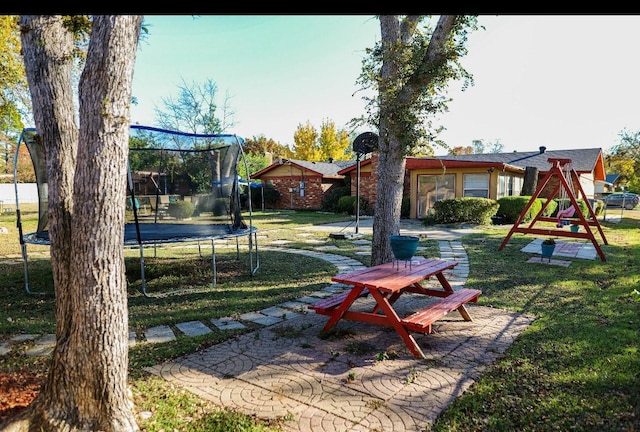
{"x":133,"y":233}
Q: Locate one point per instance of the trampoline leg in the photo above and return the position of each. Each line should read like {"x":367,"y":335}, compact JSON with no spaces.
{"x":213,"y":263}
{"x":253,"y":243}
{"x":144,"y":282}
{"x":26,"y":268}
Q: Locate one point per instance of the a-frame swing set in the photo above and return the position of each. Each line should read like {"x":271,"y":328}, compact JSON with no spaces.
{"x":566,"y":179}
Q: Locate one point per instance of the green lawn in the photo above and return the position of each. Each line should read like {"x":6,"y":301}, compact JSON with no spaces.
{"x":577,"y":367}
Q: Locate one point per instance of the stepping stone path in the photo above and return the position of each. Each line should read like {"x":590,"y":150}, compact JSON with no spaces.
{"x":453,"y":250}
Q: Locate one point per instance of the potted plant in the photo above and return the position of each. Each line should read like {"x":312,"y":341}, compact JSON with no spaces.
{"x":403,"y":247}
{"x":548,"y":245}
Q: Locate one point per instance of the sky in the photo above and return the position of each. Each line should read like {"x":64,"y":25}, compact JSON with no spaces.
{"x":559,"y":81}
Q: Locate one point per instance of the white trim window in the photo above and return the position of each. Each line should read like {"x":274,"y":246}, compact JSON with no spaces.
{"x":509,"y":185}
{"x":432,"y":188}
{"x":475,"y":185}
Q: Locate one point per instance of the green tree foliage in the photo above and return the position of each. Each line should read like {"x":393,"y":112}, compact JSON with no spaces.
{"x":624,"y":159}
{"x":254,"y":163}
{"x":408,"y":73}
{"x":195,"y":110}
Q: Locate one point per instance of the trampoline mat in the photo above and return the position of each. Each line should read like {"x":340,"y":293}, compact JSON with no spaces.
{"x":163,"y":233}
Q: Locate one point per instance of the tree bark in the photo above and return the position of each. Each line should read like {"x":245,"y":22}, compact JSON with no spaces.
{"x":391,"y":148}
{"x":86,"y":385}
{"x":530,"y":181}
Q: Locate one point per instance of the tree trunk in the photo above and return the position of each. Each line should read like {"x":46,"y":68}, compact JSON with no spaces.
{"x":386,"y":219}
{"x":86,"y":386}
{"x":396,"y":97}
{"x":530,"y":181}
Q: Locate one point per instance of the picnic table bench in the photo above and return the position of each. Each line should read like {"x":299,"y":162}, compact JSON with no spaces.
{"x":386,"y":283}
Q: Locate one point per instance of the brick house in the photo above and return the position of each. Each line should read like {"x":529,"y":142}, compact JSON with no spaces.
{"x":489,"y":175}
{"x":301,"y":184}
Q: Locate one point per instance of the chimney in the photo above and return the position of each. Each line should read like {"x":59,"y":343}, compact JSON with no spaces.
{"x":542,"y":149}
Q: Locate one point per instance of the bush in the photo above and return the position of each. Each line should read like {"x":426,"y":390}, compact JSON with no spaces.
{"x":511,"y":207}
{"x":331,"y":199}
{"x":405,"y":208}
{"x":347,"y":204}
{"x":181,"y":209}
{"x":271,"y":196}
{"x":220,"y":206}
{"x":466,"y":209}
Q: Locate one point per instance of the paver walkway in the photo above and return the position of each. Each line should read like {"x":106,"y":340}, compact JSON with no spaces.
{"x":361,"y":379}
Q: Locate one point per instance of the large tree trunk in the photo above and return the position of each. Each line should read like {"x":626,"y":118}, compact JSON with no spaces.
{"x":386,"y":219}
{"x":395,"y":100}
{"x":86,"y":386}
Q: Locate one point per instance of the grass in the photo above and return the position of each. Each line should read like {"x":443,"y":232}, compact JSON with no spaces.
{"x":577,"y":367}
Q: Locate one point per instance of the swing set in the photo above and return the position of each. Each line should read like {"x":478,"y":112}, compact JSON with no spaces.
{"x":569,"y":212}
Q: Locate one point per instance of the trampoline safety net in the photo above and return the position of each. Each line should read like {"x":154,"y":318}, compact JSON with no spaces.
{"x":181,"y":187}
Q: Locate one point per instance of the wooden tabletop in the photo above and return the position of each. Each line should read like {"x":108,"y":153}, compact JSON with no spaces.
{"x":394,"y":276}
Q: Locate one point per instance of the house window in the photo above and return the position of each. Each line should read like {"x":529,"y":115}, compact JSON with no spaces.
{"x":432,"y":188}
{"x":509,"y":185}
{"x":476,"y":185}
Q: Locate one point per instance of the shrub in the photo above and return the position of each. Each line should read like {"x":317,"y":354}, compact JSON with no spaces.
{"x":271,"y":196}
{"x":181,"y":209}
{"x":330,"y":200}
{"x":405,"y":207}
{"x":511,"y":207}
{"x":220,"y":206}
{"x":466,"y":209}
{"x":347,"y":204}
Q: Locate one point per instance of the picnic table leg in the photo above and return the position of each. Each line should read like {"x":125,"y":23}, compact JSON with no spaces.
{"x":394,"y":321}
{"x":447,"y":287}
{"x":340,"y":310}
{"x":392,"y":299}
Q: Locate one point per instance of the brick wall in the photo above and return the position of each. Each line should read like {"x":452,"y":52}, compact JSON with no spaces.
{"x":313,"y":191}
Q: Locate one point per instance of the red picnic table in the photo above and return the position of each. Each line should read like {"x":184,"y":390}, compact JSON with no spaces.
{"x":386,"y":283}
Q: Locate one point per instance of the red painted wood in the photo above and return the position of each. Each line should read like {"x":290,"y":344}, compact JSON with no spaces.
{"x":421,"y":320}
{"x":386,"y":283}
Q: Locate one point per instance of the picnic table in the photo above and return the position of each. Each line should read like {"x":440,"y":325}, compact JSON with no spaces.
{"x":386,"y":283}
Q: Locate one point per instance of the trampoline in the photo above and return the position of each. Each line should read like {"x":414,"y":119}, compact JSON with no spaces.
{"x":181,"y":187}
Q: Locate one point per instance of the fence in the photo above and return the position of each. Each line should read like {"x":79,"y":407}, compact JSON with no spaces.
{"x":27,"y":193}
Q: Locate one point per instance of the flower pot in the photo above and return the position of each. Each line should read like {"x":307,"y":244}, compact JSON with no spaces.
{"x":575,"y":228}
{"x":547,"y":250}
{"x":403,"y":247}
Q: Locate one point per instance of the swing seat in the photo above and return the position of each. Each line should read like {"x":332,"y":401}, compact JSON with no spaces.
{"x":569,"y":212}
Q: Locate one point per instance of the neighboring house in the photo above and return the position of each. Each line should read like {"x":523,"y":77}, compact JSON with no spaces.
{"x":301,"y":184}
{"x":489,"y":175}
{"x":607,"y":186}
